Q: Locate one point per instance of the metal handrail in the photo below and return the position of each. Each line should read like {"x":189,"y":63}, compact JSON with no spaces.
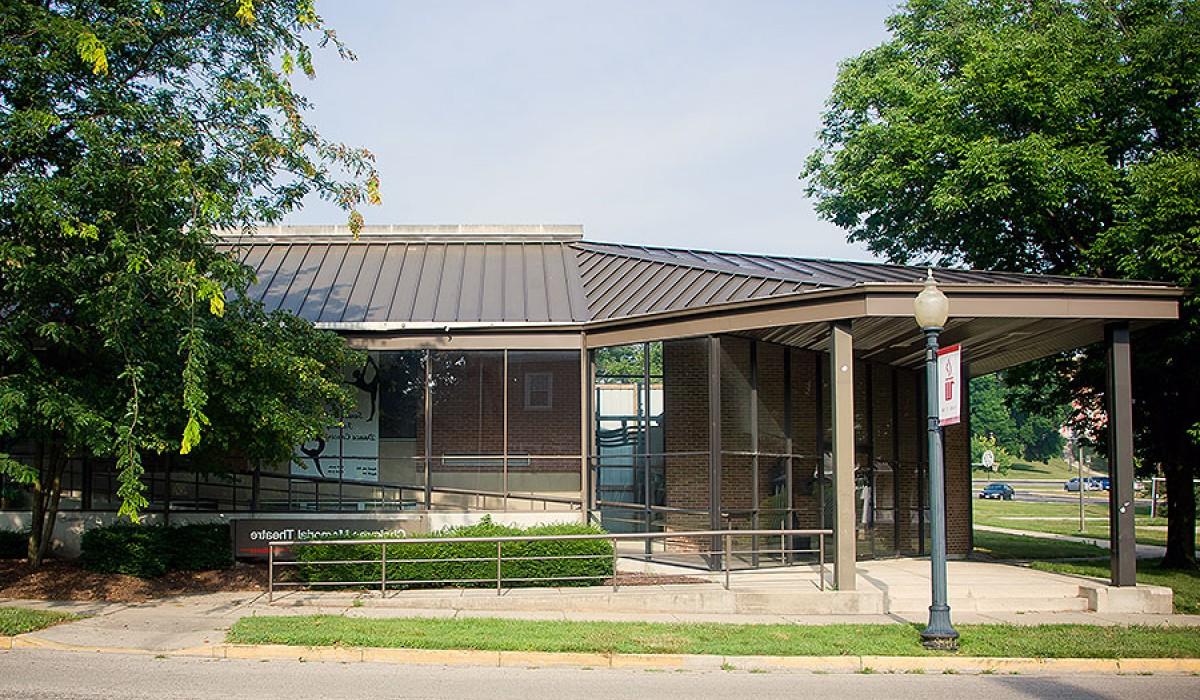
{"x":725,"y":553}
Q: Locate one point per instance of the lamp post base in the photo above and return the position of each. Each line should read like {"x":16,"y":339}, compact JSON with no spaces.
{"x":939,"y":634}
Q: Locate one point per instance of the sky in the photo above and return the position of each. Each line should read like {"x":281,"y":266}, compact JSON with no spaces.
{"x":653,"y":122}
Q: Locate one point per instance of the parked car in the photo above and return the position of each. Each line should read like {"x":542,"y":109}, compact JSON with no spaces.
{"x":1104,"y":481}
{"x":997,"y":491}
{"x":1089,"y":484}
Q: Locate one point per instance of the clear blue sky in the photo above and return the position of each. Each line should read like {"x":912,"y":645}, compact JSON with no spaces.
{"x":669,"y":123}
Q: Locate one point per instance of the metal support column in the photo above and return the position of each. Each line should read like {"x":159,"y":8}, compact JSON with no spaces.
{"x":714,"y":445}
{"x":428,"y":430}
{"x":1120,"y":457}
{"x":754,"y":477}
{"x":841,"y":381}
{"x":585,"y":432}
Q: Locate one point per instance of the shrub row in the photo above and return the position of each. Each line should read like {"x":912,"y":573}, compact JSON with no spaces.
{"x":522,"y":560}
{"x":153,"y":550}
{"x":13,"y":545}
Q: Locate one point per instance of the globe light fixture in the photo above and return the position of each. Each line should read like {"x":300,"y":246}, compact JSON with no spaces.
{"x":931,"y":309}
{"x":931,"y":306}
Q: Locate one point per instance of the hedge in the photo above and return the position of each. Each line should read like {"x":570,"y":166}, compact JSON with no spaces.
{"x":457,"y":573}
{"x":148,"y":551}
{"x":13,"y":544}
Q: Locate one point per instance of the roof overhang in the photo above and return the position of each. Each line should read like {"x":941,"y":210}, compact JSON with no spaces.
{"x":1001,"y":325}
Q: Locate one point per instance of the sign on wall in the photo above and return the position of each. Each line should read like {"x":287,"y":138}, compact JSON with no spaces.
{"x":251,"y":536}
{"x":348,"y":451}
{"x":950,"y":381}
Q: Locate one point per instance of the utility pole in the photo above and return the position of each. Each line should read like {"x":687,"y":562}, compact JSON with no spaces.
{"x":1082,"y":527}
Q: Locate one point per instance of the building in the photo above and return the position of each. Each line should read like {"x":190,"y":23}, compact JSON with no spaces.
{"x":527,"y":372}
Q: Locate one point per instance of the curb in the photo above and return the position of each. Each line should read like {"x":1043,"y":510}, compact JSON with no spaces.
{"x":661,"y":662}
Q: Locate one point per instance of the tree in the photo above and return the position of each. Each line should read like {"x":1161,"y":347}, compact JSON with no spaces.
{"x":982,"y":443}
{"x":131,"y":133}
{"x":999,"y":409}
{"x":1055,"y":136}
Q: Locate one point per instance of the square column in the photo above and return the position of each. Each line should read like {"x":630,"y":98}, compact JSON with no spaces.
{"x":714,"y":448}
{"x":841,"y":384}
{"x":1119,"y":397}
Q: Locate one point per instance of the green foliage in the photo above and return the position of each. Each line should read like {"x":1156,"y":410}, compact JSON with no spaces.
{"x":131,"y":136}
{"x":148,"y":551}
{"x":626,"y":363}
{"x":13,"y":545}
{"x":1058,"y":137}
{"x":981,"y":443}
{"x":999,"y":409}
{"x":14,"y":621}
{"x":535,"y":566}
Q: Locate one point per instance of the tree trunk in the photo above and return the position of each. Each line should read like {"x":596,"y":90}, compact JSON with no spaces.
{"x":38,"y":509}
{"x":47,"y":493}
{"x":1181,"y":517}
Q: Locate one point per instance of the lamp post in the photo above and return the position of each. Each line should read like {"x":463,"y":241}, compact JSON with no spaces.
{"x":931,"y":310}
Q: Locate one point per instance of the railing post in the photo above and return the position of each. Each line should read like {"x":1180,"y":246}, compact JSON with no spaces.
{"x":614,"y":568}
{"x":821,"y":558}
{"x":383,"y":570}
{"x":270,"y":573}
{"x":725,"y":558}
{"x":499,"y":554}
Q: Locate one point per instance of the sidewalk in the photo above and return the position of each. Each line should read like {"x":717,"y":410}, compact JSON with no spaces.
{"x":196,"y":622}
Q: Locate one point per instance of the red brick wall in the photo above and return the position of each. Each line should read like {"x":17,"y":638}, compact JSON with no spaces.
{"x":468,"y":418}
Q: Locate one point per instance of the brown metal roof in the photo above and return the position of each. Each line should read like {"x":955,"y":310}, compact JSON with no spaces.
{"x":411,"y":277}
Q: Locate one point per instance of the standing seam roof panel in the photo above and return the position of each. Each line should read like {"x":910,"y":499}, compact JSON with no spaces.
{"x":536,"y":303}
{"x":663,"y":294}
{"x":492,"y":301}
{"x":426,"y":291}
{"x":384,"y":293}
{"x":264,"y":272}
{"x":514,"y":283}
{"x":343,"y":285}
{"x":470,"y":296}
{"x":618,"y":278}
{"x":275,"y":293}
{"x":651,"y":286}
{"x":364,"y":285}
{"x":322,"y":283}
{"x":302,"y":281}
{"x":448,"y":304}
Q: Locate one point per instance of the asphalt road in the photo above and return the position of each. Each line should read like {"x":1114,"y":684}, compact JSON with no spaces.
{"x":46,"y":675}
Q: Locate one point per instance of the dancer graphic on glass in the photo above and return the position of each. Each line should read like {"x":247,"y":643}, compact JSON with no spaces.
{"x":349,"y":451}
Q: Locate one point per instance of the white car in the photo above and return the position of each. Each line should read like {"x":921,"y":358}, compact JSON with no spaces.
{"x":1089,"y":484}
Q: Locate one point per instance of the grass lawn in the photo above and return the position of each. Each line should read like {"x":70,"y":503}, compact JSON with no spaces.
{"x":21,"y":620}
{"x":1186,"y":584}
{"x":1063,"y":519}
{"x":1055,"y":469}
{"x":493,"y":634}
{"x":1001,"y":546}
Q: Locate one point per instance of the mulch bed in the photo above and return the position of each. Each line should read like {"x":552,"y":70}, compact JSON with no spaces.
{"x":633,"y":579}
{"x":65,"y":580}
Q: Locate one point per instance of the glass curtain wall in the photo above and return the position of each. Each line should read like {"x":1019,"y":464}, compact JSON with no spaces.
{"x":650,"y":459}
{"x":474,"y":430}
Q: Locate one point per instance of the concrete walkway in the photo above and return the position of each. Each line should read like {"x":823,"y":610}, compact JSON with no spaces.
{"x":980,"y":593}
{"x":1144,"y":551}
{"x":194,"y":622}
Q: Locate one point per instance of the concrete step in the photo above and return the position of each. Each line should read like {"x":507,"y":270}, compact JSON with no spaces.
{"x":1011,"y":604}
